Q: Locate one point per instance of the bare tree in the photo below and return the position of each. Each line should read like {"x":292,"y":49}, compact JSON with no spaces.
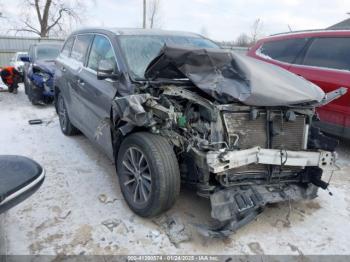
{"x":51,"y":16}
{"x":242,"y":40}
{"x":256,"y":31}
{"x":154,"y":13}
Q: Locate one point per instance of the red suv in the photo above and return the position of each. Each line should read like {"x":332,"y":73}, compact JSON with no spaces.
{"x":322,"y":57}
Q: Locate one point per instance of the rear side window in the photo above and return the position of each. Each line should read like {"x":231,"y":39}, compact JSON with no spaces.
{"x":101,"y":50}
{"x":68,"y":46}
{"x":81,"y":46}
{"x":329,"y":53}
{"x":283,"y":50}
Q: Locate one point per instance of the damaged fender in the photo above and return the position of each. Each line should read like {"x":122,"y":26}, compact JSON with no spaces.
{"x":130,"y":109}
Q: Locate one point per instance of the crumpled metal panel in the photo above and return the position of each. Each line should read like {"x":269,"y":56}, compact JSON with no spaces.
{"x":130,"y":109}
{"x":229,"y":77}
{"x":236,"y":207}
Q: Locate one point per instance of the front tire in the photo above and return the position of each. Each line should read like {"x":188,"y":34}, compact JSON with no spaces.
{"x":148,"y":173}
{"x":66,"y":126}
{"x":31,"y":95}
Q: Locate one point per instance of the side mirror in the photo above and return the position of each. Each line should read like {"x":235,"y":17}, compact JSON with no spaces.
{"x":25,"y":59}
{"x":20,"y":177}
{"x":106,"y":69}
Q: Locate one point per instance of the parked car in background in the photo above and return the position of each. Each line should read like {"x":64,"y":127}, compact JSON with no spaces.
{"x":17,"y":62}
{"x":39,"y":70}
{"x":171,"y":107}
{"x":322,"y":57}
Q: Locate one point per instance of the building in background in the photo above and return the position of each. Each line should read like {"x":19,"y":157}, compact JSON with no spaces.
{"x":10,"y":45}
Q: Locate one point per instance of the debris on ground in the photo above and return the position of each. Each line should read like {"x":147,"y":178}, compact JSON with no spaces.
{"x":104,"y":199}
{"x":111,"y":223}
{"x":42,"y":121}
{"x":174,"y":228}
{"x":66,"y":215}
{"x":35,"y":122}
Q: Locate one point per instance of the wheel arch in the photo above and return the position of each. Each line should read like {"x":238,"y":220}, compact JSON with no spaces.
{"x":57,"y":90}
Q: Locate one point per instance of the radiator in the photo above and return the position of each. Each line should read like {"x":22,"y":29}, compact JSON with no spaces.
{"x":244,"y":133}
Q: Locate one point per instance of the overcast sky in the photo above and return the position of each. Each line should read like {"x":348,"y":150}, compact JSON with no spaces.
{"x":222,"y":19}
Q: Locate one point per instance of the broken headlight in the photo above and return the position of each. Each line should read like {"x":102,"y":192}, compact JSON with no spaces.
{"x":44,"y":75}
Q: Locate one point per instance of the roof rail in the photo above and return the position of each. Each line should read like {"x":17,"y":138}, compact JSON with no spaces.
{"x":308,"y":30}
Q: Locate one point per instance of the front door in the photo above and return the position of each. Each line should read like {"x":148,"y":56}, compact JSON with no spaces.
{"x":96,"y":95}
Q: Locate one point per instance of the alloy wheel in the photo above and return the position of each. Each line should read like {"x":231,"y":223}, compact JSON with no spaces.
{"x":136,"y":175}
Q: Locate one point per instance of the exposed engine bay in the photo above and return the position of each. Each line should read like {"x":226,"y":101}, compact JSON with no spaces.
{"x":241,"y":146}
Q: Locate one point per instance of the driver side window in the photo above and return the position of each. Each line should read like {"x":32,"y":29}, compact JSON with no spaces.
{"x":101,"y":50}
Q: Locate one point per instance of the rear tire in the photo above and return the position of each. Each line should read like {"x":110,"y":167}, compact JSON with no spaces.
{"x":25,"y":82}
{"x":148,"y":172}
{"x":67,"y":127}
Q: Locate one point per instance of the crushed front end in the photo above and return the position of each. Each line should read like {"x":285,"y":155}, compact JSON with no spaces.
{"x":240,"y":157}
{"x":240,"y":151}
{"x":41,"y":81}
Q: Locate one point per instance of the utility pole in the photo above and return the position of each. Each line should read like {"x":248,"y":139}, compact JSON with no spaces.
{"x":144,"y":14}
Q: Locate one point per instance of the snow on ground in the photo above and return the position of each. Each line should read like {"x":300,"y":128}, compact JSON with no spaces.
{"x":80,"y":210}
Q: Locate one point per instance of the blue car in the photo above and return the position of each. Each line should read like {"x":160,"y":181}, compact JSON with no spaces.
{"x":39,"y":70}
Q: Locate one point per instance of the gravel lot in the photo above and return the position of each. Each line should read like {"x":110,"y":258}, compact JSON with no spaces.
{"x":80,"y":210}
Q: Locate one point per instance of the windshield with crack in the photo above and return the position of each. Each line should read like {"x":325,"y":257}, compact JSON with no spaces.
{"x":139,"y":51}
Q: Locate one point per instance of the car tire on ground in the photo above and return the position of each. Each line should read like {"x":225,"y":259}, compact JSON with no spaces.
{"x":148,"y":172}
{"x":48,"y":100}
{"x":66,"y":126}
{"x":30,"y":95}
{"x":26,"y":87}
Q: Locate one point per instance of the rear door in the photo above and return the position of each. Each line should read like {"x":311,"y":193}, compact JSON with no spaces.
{"x":96,"y":95}
{"x":76,"y":91}
{"x":281,"y":52}
{"x":326,"y":63}
{"x":62,"y":73}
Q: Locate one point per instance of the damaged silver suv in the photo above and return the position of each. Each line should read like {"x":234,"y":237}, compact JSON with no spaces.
{"x":172,"y":107}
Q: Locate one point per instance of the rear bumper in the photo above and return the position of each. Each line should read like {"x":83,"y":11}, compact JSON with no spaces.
{"x":219,"y":162}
